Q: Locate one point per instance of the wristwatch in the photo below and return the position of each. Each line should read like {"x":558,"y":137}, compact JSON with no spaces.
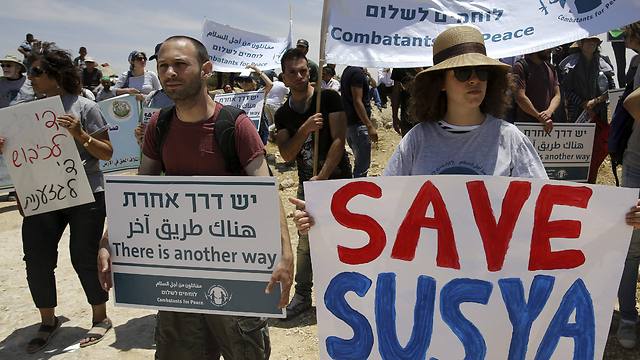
{"x":86,"y":143}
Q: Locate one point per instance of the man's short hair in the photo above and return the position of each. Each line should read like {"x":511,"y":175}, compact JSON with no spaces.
{"x":292,"y":54}
{"x":29,"y":35}
{"x":201,"y":50}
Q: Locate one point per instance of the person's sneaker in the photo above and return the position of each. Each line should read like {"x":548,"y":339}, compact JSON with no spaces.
{"x":626,"y":334}
{"x":297,"y":306}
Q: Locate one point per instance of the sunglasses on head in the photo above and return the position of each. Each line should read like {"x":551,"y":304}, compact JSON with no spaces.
{"x":34,"y":71}
{"x":463,"y":74}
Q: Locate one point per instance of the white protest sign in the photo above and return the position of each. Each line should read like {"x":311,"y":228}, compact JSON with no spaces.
{"x":231,"y":49}
{"x":252,"y":102}
{"x":472,"y":267}
{"x":43,"y":158}
{"x":565,"y":151}
{"x":147,"y":114}
{"x":194,"y":244}
{"x":377,"y":33}
{"x":122,"y":113}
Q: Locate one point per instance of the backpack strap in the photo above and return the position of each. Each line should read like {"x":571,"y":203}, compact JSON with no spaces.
{"x":162,"y":128}
{"x":224,"y":130}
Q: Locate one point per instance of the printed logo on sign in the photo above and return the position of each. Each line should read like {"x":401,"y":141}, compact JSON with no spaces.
{"x":562,"y":174}
{"x":577,"y":10}
{"x":218,"y":296}
{"x":121,"y":109}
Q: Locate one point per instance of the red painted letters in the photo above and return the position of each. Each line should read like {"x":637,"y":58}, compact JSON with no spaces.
{"x":541,"y":257}
{"x":496,"y":237}
{"x":406,"y":242}
{"x":377,"y":237}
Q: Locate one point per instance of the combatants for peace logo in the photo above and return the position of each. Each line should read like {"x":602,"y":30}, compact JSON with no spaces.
{"x":576,"y":10}
{"x":218,"y":296}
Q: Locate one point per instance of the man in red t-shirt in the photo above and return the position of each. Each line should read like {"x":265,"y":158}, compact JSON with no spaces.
{"x":188,"y":149}
{"x":537,"y":89}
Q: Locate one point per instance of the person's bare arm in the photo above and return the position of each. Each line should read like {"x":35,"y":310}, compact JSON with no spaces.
{"x":268,"y":84}
{"x":632,"y":104}
{"x":338,"y":124}
{"x":525,"y":104}
{"x":290,"y":146}
{"x":361,"y":111}
{"x":283,"y":272}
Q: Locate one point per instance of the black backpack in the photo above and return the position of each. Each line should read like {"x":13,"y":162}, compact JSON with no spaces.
{"x":620,"y":132}
{"x":224,"y":130}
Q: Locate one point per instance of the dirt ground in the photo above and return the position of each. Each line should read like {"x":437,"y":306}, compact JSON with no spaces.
{"x":132,"y":336}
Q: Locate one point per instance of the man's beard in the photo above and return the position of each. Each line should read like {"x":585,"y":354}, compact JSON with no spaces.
{"x":189,"y":90}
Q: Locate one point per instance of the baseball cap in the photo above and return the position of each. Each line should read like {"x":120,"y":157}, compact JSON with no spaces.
{"x":155,"y":52}
{"x":302,"y":42}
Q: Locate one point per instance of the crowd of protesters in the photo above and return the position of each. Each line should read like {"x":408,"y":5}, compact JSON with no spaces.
{"x":457,"y":109}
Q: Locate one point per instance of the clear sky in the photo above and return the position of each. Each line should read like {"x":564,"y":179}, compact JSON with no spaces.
{"x":110,"y":30}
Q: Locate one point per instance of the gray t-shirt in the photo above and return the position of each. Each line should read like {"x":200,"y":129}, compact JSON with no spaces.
{"x":494,"y":148}
{"x":13,"y":92}
{"x":93,"y":123}
{"x":146,"y":83}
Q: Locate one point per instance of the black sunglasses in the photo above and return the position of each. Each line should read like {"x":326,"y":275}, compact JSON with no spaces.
{"x":463,"y":74}
{"x":34,"y":71}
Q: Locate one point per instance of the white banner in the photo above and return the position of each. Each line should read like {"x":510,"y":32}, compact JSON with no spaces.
{"x":231,"y":49}
{"x":566,"y":151}
{"x":472,"y":267}
{"x":194,"y":244}
{"x":378,"y":33}
{"x":252,"y":102}
{"x":42,"y":157}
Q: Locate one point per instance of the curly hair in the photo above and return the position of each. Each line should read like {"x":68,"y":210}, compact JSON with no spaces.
{"x":58,"y":65}
{"x":429,"y":103}
{"x":632,"y":30}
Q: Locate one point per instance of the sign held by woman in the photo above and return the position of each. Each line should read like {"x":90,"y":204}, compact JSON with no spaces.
{"x":43,"y":161}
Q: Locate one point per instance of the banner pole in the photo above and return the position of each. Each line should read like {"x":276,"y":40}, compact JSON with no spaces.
{"x":323,"y":38}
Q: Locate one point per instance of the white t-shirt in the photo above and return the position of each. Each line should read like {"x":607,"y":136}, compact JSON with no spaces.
{"x":494,"y":148}
{"x":333,"y":84}
{"x":146,"y":83}
{"x":277,"y":94}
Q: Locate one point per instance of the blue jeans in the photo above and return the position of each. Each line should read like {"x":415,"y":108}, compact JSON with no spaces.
{"x":628,"y":283}
{"x":360,"y":144}
{"x":375,"y":95}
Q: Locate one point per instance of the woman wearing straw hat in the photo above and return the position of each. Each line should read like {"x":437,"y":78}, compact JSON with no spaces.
{"x":459,"y":102}
{"x":14,"y":85}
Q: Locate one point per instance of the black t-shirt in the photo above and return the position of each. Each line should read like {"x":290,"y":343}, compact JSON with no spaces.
{"x":287,"y":118}
{"x":354,"y":76}
{"x":91,"y":80}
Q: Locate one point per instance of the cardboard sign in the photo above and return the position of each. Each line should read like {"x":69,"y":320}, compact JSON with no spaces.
{"x":231,"y":49}
{"x":252,"y":102}
{"x":400,"y":33}
{"x":194,"y":244}
{"x":122,"y":114}
{"x":565,"y":151}
{"x":42,"y":157}
{"x":473,"y":267}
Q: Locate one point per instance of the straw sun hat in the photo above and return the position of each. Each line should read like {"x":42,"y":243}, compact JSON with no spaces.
{"x":460,"y":46}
